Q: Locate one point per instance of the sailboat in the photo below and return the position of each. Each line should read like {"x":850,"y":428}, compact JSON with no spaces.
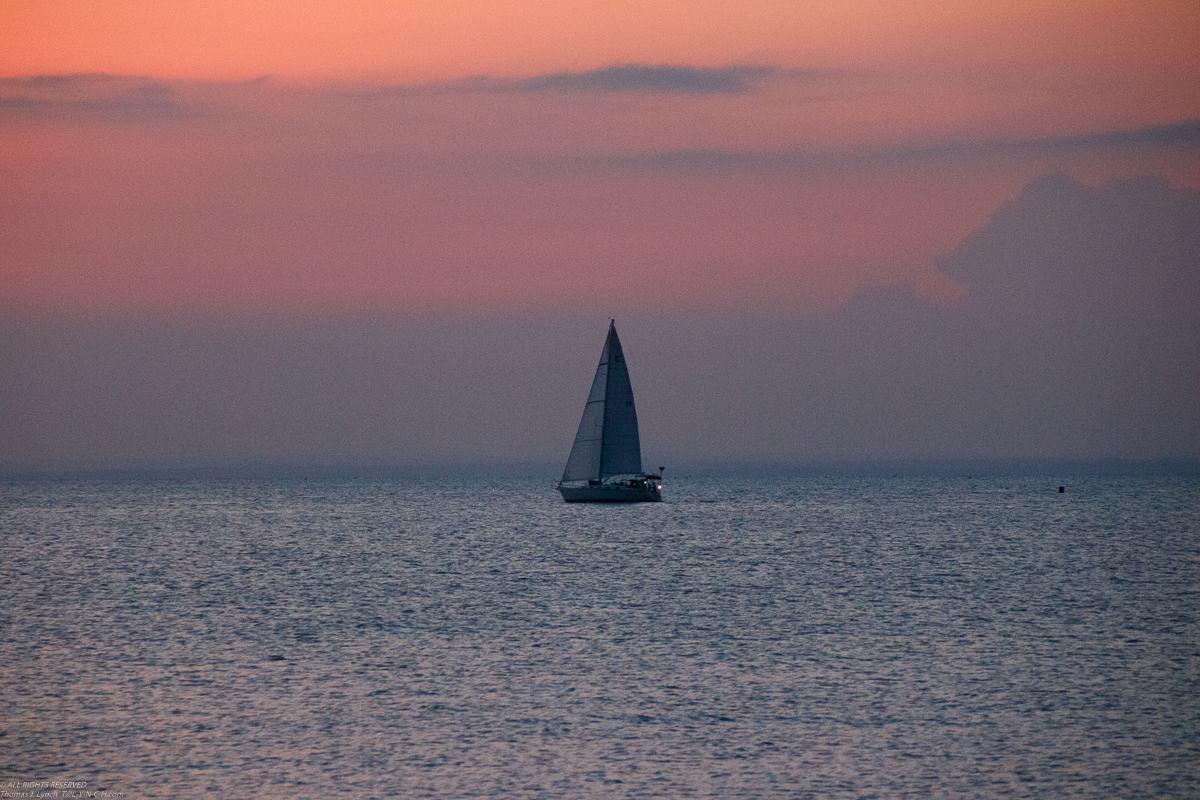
{"x":605,"y":465}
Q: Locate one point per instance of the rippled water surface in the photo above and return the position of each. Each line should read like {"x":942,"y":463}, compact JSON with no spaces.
{"x":771,"y":637}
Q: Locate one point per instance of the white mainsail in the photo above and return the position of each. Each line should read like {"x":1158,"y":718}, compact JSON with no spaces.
{"x":607,"y":442}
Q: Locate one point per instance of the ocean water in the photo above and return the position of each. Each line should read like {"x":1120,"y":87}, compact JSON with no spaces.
{"x":798,"y":636}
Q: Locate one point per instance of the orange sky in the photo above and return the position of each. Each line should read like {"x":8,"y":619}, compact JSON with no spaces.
{"x":426,"y":40}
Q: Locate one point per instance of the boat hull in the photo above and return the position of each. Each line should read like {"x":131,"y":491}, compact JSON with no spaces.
{"x":609,"y":494}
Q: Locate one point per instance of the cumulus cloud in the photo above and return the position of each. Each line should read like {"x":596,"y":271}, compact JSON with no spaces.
{"x":1079,"y":336}
{"x":1062,"y":245}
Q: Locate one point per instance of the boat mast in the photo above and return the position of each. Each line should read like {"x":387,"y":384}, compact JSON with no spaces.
{"x":607,"y":361}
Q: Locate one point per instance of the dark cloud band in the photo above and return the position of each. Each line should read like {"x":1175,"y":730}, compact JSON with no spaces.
{"x":1184,"y":134}
{"x":88,"y":96}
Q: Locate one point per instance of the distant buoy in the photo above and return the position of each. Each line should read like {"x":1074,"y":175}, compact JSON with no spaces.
{"x":1062,"y":489}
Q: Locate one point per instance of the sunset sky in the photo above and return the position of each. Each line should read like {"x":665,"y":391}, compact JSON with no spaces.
{"x":519,"y":169}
